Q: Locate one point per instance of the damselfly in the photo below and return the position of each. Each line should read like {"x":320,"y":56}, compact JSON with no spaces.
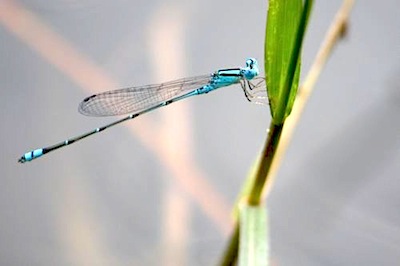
{"x":139,"y":100}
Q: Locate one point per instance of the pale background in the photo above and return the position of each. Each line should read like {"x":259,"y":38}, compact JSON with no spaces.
{"x":159,"y":189}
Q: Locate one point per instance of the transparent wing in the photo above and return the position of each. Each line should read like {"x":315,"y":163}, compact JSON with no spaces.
{"x":136,"y":99}
{"x":255,"y":90}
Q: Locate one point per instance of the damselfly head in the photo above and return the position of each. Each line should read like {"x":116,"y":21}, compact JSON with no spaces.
{"x":251,"y":69}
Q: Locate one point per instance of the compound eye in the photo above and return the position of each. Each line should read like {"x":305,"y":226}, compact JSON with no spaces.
{"x":249,"y":63}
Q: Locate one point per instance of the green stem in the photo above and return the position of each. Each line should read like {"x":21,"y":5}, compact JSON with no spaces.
{"x":231,"y":253}
{"x":264,"y":164}
{"x":274,"y":134}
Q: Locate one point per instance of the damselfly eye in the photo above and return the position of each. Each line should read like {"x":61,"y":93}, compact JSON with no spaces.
{"x":249,"y":63}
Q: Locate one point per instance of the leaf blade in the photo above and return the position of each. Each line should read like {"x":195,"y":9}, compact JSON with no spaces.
{"x":253,"y":237}
{"x":286,"y":25}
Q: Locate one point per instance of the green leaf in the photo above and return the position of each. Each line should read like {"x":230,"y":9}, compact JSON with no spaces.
{"x":286,"y":24}
{"x":253,"y":238}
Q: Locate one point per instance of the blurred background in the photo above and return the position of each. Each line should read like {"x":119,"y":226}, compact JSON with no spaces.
{"x":159,"y":189}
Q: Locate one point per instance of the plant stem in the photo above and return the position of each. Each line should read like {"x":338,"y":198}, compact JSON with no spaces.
{"x":232,"y":251}
{"x":267,"y":167}
{"x":274,"y":133}
{"x":264,"y":164}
